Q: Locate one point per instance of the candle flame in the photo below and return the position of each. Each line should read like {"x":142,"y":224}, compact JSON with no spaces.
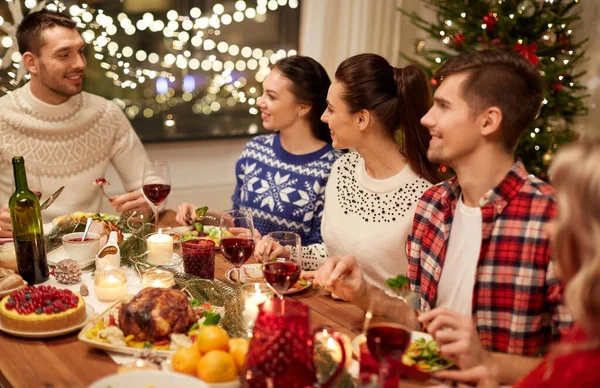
{"x":159,"y":231}
{"x":331,"y":343}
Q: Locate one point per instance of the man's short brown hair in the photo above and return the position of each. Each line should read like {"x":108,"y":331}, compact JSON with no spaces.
{"x":503,"y":79}
{"x":29,"y":32}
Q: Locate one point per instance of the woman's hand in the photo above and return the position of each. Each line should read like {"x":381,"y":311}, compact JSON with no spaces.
{"x":186,"y":214}
{"x":267,"y":248}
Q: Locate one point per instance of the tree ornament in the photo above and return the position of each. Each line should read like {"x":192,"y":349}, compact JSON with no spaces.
{"x":419,"y":45}
{"x":526,"y":8}
{"x":67,"y":272}
{"x":549,"y":38}
{"x":563,"y":40}
{"x":557,"y":123}
{"x":557,"y":87}
{"x":528,"y":52}
{"x":490,"y":21}
{"x":459,"y":39}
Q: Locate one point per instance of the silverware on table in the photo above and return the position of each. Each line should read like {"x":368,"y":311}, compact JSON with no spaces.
{"x":51,"y":198}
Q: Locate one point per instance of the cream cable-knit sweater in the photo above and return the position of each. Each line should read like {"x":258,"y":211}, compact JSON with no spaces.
{"x":367,"y":218}
{"x":69,"y":145}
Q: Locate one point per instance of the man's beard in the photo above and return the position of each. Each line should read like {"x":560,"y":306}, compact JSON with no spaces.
{"x":56,"y":86}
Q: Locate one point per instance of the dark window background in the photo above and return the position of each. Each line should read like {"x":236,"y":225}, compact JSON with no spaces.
{"x":202,"y":106}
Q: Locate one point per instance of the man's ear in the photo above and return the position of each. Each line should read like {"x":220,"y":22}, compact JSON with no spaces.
{"x":491,"y":121}
{"x":30,"y":62}
{"x":363,"y":119}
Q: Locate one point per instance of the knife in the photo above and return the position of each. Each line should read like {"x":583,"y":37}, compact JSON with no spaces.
{"x":51,"y":198}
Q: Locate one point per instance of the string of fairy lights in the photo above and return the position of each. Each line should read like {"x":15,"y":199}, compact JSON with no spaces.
{"x":193,"y":43}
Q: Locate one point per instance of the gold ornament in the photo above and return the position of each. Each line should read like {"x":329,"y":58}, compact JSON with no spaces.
{"x":549,"y":38}
{"x":526,"y":8}
{"x":419,"y":45}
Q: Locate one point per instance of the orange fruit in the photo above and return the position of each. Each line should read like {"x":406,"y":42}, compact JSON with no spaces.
{"x":212,"y":338}
{"x":217,"y":366}
{"x":238,"y":348}
{"x":185,"y":360}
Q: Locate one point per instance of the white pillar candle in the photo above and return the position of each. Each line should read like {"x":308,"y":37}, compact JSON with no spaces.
{"x":254,"y":294}
{"x":160,"y":248}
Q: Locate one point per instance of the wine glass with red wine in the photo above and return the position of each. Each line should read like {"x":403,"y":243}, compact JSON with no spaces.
{"x":237,"y":237}
{"x":156,"y":184}
{"x":387,"y":336}
{"x":283,"y":271}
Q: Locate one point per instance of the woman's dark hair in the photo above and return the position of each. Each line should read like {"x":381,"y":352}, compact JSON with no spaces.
{"x":310,"y":84}
{"x":398,"y":98}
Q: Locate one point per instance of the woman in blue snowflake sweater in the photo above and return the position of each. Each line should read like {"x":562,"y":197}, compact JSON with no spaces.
{"x":281,"y":177}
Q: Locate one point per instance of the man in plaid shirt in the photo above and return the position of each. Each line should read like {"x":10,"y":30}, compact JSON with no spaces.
{"x":478,"y":254}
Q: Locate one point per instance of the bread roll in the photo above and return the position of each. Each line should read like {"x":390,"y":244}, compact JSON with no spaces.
{"x":10,"y":282}
{"x":8,"y":258}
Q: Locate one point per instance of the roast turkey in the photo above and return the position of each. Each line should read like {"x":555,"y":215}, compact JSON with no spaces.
{"x":154,"y":313}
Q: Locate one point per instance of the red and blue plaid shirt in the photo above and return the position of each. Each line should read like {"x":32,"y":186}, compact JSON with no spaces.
{"x":517,"y":300}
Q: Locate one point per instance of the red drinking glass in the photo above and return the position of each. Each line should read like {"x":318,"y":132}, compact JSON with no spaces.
{"x":199,"y":258}
{"x":281,"y":348}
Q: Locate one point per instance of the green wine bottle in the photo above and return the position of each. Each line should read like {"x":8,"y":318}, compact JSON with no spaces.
{"x":28,"y":232}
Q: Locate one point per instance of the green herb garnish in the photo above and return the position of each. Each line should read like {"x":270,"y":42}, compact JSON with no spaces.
{"x":399,"y":282}
{"x":210,"y":318}
{"x":195,"y":303}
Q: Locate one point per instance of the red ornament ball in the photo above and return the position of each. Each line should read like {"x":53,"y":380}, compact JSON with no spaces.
{"x":459,"y":39}
{"x":557,"y":87}
{"x":490,"y":21}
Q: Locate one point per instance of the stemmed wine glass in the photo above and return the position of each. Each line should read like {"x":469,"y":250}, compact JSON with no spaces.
{"x":387,"y":336}
{"x":237,"y":237}
{"x":283,"y":272}
{"x":156,"y":184}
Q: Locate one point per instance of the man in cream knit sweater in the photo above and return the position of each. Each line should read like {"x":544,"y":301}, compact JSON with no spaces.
{"x":67,"y":137}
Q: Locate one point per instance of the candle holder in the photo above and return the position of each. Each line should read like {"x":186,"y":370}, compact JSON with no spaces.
{"x":158,"y":278}
{"x":110,"y":284}
{"x":252,"y":295}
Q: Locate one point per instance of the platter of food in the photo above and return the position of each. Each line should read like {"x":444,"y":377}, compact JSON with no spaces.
{"x":83,"y":216}
{"x":124,"y":327}
{"x":422,"y":353}
{"x":43,"y":311}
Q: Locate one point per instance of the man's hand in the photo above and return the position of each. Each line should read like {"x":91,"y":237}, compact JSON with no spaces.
{"x":186,"y":214}
{"x":456,"y":336}
{"x":131,"y":201}
{"x":5,"y":224}
{"x":341,"y":275}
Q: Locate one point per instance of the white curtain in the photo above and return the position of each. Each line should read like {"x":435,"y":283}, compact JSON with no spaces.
{"x":333,"y":30}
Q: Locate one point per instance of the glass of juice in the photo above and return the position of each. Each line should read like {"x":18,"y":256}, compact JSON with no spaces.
{"x":199,"y":258}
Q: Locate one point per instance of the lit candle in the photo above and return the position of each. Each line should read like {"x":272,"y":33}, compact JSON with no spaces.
{"x":254,"y":294}
{"x":110,"y":284}
{"x":160,"y":248}
{"x":158,"y":278}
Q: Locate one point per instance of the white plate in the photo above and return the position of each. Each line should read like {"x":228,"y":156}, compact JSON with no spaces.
{"x":59,"y":254}
{"x":145,"y":379}
{"x":360,"y":339}
{"x":250,"y":275}
{"x":89,"y":310}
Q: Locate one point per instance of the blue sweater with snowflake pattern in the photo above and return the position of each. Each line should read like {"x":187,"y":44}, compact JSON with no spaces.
{"x":284,"y":192}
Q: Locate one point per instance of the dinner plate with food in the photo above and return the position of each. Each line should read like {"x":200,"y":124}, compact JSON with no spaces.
{"x":253,"y":273}
{"x":422,"y":353}
{"x":175,"y":320}
{"x":82,"y":217}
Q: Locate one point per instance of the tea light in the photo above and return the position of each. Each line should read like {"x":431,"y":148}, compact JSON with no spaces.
{"x":160,"y":248}
{"x":253,"y":295}
{"x":158,"y":278}
{"x":110,"y":284}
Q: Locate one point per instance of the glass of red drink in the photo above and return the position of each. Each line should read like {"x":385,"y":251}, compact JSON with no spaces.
{"x":237,"y":237}
{"x":156,"y":184}
{"x":199,"y":258}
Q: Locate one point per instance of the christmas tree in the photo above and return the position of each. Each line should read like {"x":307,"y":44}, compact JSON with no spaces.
{"x":540,"y":30}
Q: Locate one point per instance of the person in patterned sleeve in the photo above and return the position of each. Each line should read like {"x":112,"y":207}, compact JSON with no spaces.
{"x":477,"y":248}
{"x":281,"y":177}
{"x":372,"y":193}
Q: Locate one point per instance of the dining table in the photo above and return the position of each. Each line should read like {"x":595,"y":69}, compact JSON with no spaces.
{"x":65,"y":361}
